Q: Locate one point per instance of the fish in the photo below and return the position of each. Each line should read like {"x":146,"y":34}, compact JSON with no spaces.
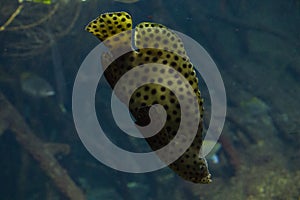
{"x":127,"y":1}
{"x":35,"y":86}
{"x":191,"y":166}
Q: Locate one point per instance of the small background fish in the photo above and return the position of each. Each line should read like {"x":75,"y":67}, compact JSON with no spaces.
{"x":34,"y":85}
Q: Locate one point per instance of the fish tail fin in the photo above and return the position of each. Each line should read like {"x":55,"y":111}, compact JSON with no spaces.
{"x":109,"y":24}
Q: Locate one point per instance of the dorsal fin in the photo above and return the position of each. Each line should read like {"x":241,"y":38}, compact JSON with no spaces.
{"x":153,"y":35}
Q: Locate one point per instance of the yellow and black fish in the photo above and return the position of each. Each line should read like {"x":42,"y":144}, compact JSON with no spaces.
{"x":154,"y":43}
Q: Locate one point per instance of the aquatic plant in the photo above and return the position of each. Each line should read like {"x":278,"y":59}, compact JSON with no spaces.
{"x":31,"y":22}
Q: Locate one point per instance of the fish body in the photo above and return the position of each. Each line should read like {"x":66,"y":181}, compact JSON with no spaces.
{"x":34,"y":85}
{"x":168,"y":51}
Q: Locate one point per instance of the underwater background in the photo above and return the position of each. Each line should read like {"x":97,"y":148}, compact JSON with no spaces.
{"x":256,"y":46}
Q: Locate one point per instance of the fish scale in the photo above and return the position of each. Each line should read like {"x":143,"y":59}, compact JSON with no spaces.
{"x":154,"y":44}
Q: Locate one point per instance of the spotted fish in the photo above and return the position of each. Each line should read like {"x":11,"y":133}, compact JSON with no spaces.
{"x":154,"y":43}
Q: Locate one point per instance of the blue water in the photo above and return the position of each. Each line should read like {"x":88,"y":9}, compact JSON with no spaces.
{"x":256,"y":47}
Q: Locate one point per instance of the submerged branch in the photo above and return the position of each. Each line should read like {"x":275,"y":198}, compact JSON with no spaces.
{"x":44,"y":153}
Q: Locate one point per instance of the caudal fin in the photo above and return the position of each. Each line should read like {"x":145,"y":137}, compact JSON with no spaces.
{"x":109,"y":24}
